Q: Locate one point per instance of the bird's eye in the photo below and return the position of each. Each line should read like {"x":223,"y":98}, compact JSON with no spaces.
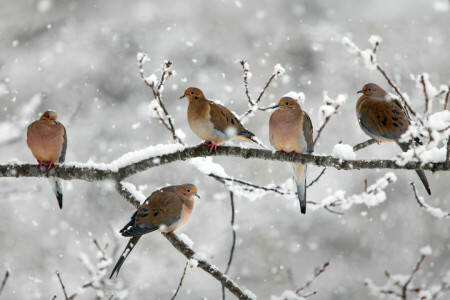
{"x":188,"y":190}
{"x":192,"y":93}
{"x":369,"y":89}
{"x":287,"y":103}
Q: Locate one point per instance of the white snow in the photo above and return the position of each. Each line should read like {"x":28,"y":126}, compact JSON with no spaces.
{"x":374,"y":39}
{"x":426,"y":250}
{"x":278,"y":70}
{"x":299,"y":96}
{"x":287,"y":295}
{"x":343,"y":151}
{"x":185,"y":239}
{"x":138,"y":195}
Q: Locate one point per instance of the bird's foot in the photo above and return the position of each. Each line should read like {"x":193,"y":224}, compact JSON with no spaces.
{"x":50,"y":165}
{"x":292,"y":154}
{"x":282,"y":152}
{"x":213,"y":146}
{"x":40,"y":164}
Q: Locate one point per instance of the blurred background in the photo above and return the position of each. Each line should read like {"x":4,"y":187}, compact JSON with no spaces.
{"x":79,"y":58}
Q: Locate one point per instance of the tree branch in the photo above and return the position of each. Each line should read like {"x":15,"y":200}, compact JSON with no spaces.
{"x":233,"y":244}
{"x":181,"y":282}
{"x":95,"y":173}
{"x":2,"y":286}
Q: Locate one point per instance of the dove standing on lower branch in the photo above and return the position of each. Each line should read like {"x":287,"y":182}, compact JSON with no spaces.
{"x":47,"y":140}
{"x":290,"y":130}
{"x":384,"y":120}
{"x":213,"y":122}
{"x":165,"y":210}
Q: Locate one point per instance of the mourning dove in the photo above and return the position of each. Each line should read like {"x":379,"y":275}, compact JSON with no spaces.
{"x":213,"y":122}
{"x":384,"y":119}
{"x":47,"y":140}
{"x":290,"y":130}
{"x":165,"y":210}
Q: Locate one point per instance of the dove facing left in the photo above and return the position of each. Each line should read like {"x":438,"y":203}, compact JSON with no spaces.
{"x":213,"y":122}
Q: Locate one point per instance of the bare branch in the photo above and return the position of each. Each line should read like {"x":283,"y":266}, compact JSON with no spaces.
{"x":191,"y":255}
{"x":317,"y":274}
{"x":233,"y":244}
{"x":244,"y":65}
{"x":181,"y":281}
{"x":405,"y":287}
{"x":2,"y":286}
{"x":317,"y":178}
{"x":64,"y":288}
{"x":422,"y":81}
{"x":446,"y":98}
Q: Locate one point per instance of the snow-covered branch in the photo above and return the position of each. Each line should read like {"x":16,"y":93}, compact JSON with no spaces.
{"x":398,"y":286}
{"x":142,"y":160}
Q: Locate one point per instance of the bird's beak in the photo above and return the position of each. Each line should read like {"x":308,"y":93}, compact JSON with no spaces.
{"x":197,"y":195}
{"x":182,"y":96}
{"x":275,"y":106}
{"x":361,"y":91}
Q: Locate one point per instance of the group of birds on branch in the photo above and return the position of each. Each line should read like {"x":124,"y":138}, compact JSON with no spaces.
{"x":290,"y":132}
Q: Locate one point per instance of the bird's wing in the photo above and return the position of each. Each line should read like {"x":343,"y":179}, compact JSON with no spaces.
{"x":381,"y":118}
{"x":308,"y":132}
{"x":161,"y":209}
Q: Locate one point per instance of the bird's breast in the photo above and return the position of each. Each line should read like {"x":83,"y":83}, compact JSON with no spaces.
{"x":45,"y":141}
{"x":286,"y":131}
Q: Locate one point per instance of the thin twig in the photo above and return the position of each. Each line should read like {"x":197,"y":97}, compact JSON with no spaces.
{"x":422,"y":81}
{"x":250,"y":100}
{"x":2,"y":286}
{"x":233,"y":244}
{"x":181,"y":281}
{"x":324,"y":124}
{"x":317,"y":178}
{"x":446,"y":98}
{"x":405,"y":286}
{"x":64,"y":288}
{"x":317,"y":274}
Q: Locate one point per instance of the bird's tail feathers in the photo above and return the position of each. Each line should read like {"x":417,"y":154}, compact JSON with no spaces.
{"x":251,"y":139}
{"x":300,"y":180}
{"x":131,"y":244}
{"x":405,"y":147}
{"x":57,"y":190}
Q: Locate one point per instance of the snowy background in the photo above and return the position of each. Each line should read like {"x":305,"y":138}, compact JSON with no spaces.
{"x":79,"y":58}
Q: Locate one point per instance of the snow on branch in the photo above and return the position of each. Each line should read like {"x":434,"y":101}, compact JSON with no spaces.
{"x":196,"y":259}
{"x":399,"y":286}
{"x":157,"y":108}
{"x":278,"y":71}
{"x":372,"y":195}
{"x":328,"y":110}
{"x":435,"y":212}
{"x":95,"y":172}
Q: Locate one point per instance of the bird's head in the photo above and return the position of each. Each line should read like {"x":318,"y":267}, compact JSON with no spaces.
{"x":287,"y":103}
{"x":189,"y":191}
{"x":49,"y":115}
{"x":193,"y":94}
{"x":371,"y":89}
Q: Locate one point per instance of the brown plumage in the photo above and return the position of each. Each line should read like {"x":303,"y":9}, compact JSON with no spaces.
{"x":290,"y":130}
{"x":384,"y":120}
{"x":47,"y":140}
{"x":165,"y":210}
{"x":213,"y":122}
